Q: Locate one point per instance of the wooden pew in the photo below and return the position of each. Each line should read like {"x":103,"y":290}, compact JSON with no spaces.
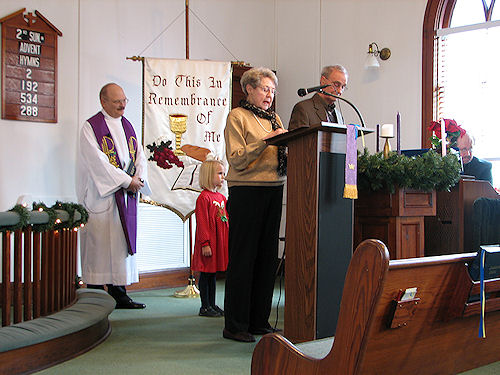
{"x":434,"y":333}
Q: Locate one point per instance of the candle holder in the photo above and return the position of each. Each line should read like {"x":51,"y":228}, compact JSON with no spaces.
{"x":387,"y":132}
{"x":387,"y":147}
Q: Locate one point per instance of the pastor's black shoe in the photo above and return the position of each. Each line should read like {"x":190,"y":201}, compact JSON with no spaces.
{"x":130,"y":305}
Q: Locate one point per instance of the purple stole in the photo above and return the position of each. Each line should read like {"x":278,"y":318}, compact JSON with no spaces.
{"x":128,"y":212}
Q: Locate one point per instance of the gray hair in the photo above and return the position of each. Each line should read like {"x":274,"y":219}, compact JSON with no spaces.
{"x":253,"y":76}
{"x":327,"y":70}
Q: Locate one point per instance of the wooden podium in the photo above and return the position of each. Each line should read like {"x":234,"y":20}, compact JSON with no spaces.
{"x":451,"y":230}
{"x":319,"y":227}
{"x":395,"y":219}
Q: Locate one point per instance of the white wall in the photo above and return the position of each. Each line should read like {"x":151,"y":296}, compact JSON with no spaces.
{"x":294,"y":37}
{"x":38,"y":158}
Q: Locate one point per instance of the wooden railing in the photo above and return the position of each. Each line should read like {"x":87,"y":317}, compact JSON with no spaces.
{"x":38,"y":268}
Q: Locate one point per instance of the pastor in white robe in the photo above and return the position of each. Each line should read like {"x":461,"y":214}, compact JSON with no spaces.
{"x":103,"y":247}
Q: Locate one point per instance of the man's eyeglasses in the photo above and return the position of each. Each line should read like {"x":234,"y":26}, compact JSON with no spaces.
{"x":338,"y":85}
{"x":120,"y":101}
{"x":268,"y":89}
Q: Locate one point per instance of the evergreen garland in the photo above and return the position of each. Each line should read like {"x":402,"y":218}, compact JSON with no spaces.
{"x":50,"y":224}
{"x":24,"y":218}
{"x":84,"y":215}
{"x":426,"y":172}
{"x":70,"y":208}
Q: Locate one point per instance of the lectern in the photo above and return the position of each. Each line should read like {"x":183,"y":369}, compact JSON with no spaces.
{"x":319,"y":229}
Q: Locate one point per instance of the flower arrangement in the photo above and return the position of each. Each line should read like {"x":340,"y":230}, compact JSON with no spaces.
{"x":453,"y":132}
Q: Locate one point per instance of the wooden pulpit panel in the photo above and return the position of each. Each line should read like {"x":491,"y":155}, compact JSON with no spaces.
{"x":301,"y":239}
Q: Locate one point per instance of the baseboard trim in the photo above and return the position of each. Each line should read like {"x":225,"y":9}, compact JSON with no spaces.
{"x":171,"y":278}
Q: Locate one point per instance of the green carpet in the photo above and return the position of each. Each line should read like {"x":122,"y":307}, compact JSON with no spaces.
{"x":168,"y":337}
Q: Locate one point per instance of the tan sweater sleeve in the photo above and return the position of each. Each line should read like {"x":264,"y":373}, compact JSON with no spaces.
{"x":242,"y":146}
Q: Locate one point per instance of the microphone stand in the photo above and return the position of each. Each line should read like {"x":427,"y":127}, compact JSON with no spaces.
{"x":348,"y":102}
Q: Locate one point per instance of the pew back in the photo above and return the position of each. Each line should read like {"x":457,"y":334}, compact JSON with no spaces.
{"x":436,"y":332}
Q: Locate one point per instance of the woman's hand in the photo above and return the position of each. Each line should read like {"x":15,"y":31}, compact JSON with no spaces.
{"x":206,"y":251}
{"x":274,"y":133}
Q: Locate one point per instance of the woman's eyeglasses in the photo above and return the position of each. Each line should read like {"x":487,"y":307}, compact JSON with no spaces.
{"x":268,"y":89}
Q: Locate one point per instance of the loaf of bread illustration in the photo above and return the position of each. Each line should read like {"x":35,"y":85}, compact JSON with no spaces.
{"x":196,"y":152}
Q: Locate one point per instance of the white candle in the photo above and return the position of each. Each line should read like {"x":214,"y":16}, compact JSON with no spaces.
{"x":443,"y":138}
{"x":387,"y":131}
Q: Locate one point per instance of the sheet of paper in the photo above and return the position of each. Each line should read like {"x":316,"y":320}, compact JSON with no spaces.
{"x":409,"y":294}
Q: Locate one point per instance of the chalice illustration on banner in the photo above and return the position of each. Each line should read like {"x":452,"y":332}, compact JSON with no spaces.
{"x":178,"y":126}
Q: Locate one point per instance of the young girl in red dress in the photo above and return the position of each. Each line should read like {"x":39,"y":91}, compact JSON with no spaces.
{"x":210,"y":248}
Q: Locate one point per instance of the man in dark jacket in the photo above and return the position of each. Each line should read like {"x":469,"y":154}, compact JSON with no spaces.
{"x":479,"y":168}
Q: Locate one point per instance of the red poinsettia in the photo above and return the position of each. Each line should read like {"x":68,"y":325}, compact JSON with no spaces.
{"x":452,"y":129}
{"x":450,"y":126}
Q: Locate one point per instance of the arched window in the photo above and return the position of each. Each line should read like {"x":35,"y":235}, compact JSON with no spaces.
{"x":461,"y":79}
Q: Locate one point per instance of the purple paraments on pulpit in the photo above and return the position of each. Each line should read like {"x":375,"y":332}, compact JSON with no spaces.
{"x":351,"y":155}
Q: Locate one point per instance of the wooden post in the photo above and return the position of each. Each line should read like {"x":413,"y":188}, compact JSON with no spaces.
{"x":36,"y":274}
{"x":18,"y":270}
{"x":187,"y":29}
{"x":6,"y":296}
{"x":28,"y":288}
{"x":44,"y":287}
{"x":73,"y":252}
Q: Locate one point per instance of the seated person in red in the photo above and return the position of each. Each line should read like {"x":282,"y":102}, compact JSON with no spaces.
{"x":479,"y":168}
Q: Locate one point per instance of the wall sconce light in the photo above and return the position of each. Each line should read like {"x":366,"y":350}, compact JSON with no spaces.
{"x":373,"y":52}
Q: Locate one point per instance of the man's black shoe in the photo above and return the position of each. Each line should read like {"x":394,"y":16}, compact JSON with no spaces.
{"x":263,"y":331}
{"x":238,"y":336}
{"x":130,"y":305}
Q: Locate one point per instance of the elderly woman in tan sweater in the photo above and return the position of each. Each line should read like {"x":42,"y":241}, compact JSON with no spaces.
{"x":255,"y":178}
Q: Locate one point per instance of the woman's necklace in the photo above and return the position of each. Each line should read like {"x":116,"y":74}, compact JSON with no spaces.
{"x":267,"y":131}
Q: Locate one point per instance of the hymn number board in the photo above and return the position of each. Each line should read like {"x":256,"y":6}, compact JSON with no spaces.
{"x":29,"y":67}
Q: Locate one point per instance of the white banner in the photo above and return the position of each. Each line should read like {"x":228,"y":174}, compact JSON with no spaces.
{"x":186,"y":103}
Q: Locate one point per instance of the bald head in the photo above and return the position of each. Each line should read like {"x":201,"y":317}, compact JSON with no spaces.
{"x":464,"y":144}
{"x":113,"y":100}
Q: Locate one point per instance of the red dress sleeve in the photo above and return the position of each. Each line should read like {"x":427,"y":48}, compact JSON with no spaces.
{"x":203,"y":227}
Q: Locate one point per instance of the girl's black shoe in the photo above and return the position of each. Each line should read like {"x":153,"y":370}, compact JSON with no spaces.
{"x":218,"y":309}
{"x":209,"y":311}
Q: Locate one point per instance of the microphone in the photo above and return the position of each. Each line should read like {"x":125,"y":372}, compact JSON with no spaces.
{"x":352,"y":105}
{"x":303,"y":92}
